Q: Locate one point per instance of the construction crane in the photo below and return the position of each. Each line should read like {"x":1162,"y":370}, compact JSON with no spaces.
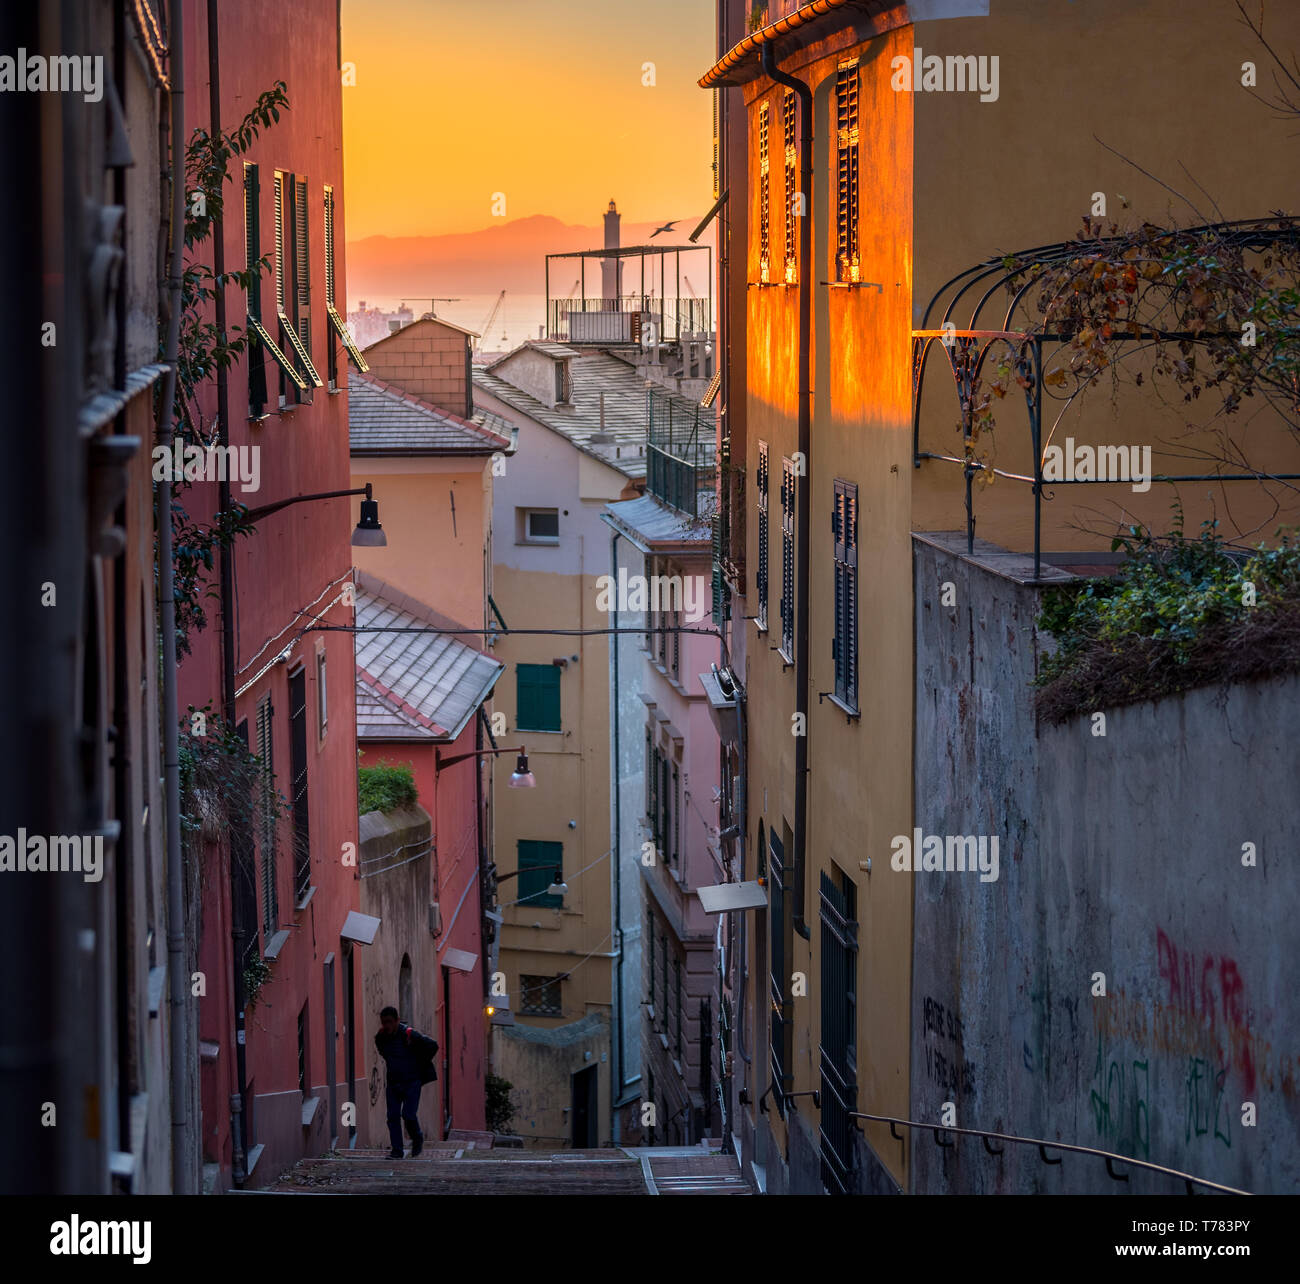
{"x":690,"y":287}
{"x":433,"y":312}
{"x":492,"y":316}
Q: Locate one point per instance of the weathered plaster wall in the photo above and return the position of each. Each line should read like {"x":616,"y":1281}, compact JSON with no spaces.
{"x":1119,"y":854}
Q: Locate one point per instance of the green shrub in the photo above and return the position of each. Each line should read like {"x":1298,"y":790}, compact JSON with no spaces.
{"x":1179,"y":613}
{"x":499,"y":1110}
{"x":386,"y":786}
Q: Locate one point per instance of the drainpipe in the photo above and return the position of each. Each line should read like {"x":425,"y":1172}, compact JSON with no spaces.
{"x":803,"y":481}
{"x":620,"y":1046}
{"x":238,"y":929}
{"x":182,"y":1132}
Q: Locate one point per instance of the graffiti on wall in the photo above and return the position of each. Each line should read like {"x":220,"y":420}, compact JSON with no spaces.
{"x":946,"y":1065}
{"x":1199,"y":1028}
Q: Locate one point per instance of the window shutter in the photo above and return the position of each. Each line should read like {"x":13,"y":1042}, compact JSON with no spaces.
{"x":791,"y":184}
{"x":302,"y":257}
{"x":279,"y":243}
{"x":537,"y":697}
{"x":764,"y":198}
{"x":252,"y":247}
{"x":270,"y":901}
{"x":538,"y":862}
{"x":846,"y":180}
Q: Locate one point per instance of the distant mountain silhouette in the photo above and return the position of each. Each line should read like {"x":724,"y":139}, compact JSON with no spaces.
{"x":508,"y":256}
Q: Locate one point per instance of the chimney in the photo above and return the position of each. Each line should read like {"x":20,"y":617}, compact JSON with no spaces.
{"x":611,"y":270}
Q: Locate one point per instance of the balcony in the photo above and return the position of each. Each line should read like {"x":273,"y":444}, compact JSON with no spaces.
{"x":680,"y":453}
{"x":630,"y":320}
{"x":632,"y":295}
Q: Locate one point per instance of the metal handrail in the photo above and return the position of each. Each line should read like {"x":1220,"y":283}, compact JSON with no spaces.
{"x":1109,"y":1156}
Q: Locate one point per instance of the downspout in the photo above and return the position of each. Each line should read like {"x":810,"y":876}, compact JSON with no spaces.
{"x":803,"y":481}
{"x":238,"y":929}
{"x":182,"y":1132}
{"x":616,"y":846}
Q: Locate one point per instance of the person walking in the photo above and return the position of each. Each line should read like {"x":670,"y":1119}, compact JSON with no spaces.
{"x":408,"y":1056}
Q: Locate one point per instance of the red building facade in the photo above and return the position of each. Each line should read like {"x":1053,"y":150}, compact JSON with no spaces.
{"x":285,"y":914}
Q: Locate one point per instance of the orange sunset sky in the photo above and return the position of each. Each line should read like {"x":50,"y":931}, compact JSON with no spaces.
{"x":542,"y":100}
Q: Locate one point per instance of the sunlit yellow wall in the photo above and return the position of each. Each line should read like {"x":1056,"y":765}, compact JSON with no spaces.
{"x":860,"y":779}
{"x":1160,"y":84}
{"x":432,"y":556}
{"x":572,"y":770}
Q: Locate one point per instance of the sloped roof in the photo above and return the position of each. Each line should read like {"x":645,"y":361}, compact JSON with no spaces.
{"x":556,"y":351}
{"x":654,"y":526}
{"x":625,"y":408}
{"x":384,"y":420}
{"x":414,"y":686}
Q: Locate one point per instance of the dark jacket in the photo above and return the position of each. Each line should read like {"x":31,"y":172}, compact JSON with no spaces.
{"x":408,"y":1055}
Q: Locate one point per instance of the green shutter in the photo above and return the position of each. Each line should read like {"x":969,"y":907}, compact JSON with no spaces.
{"x":537,"y":697}
{"x":538,"y":862}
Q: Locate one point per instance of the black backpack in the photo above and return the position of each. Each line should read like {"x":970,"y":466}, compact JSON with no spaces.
{"x":424,"y":1056}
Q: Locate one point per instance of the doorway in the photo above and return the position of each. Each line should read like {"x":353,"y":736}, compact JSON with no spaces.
{"x":585,"y":1111}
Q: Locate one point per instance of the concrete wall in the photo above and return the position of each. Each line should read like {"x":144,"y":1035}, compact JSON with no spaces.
{"x":1119,"y":854}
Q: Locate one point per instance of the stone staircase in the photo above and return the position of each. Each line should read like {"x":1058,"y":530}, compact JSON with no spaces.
{"x":468,"y":1164}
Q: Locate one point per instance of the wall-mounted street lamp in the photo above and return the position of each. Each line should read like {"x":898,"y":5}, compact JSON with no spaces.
{"x":558,"y":886}
{"x":521,"y":777}
{"x":368,"y":533}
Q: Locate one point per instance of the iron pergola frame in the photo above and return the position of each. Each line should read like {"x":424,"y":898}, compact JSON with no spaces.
{"x":968,"y":349}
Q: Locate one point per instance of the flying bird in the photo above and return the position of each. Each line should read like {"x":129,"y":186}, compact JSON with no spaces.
{"x":667,"y":227}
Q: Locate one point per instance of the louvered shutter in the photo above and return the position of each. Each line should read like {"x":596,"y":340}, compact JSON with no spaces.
{"x":279,"y":243}
{"x":302,"y":257}
{"x":846,"y":173}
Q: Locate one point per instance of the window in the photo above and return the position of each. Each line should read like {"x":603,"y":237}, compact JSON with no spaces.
{"x":270,"y":900}
{"x":662,"y":803}
{"x":764,"y":199}
{"x":322,"y":697}
{"x":539,"y":865}
{"x":262,"y":344}
{"x":650,"y":933}
{"x":760,"y":577}
{"x":675,"y":845}
{"x":844,"y":647}
{"x":539,"y":525}
{"x":244,"y":853}
{"x":781,"y":935}
{"x":847,"y":264}
{"x":537,"y":697}
{"x":540,"y":995}
{"x":677,"y":986}
{"x":298,"y":785}
{"x":787,"y":559}
{"x":839,"y":984}
{"x":304,"y":1067}
{"x":331,"y":306}
{"x":292,"y":288}
{"x":663,"y":948}
{"x":791,"y":185}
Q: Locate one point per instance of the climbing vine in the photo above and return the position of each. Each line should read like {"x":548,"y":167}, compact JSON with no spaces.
{"x":203,"y":351}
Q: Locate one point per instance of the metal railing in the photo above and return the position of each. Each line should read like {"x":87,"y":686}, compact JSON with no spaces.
{"x":680,"y":452}
{"x":631,"y":319}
